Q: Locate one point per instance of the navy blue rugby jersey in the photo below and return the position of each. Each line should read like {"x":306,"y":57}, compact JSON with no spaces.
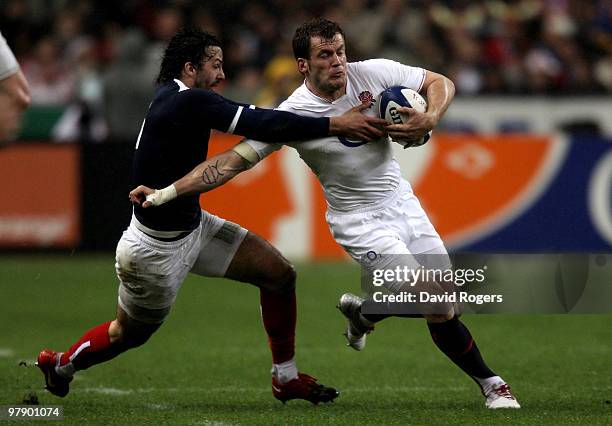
{"x":174,"y":139}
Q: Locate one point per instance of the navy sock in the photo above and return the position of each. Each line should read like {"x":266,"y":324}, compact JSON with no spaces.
{"x":454,"y":339}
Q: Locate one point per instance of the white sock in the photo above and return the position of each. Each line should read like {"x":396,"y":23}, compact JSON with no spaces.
{"x":285,"y":371}
{"x":66,"y":371}
{"x":488,"y":383}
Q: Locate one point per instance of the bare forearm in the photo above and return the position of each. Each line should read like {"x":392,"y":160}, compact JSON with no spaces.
{"x":440,"y":93}
{"x":210,"y":174}
{"x":17,"y":88}
{"x":204,"y":177}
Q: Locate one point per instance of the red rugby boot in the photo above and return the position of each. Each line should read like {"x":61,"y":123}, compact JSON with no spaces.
{"x":56,"y":384}
{"x":303,"y":387}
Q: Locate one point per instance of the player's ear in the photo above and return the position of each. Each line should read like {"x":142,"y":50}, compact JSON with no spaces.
{"x":189,"y":69}
{"x":302,"y":65}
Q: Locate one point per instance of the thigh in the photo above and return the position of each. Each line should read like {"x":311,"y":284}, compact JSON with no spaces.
{"x":220,"y":239}
{"x":258,"y":262}
{"x":367,"y":237}
{"x":411,"y":221}
{"x":434,"y":258}
{"x":150,"y":274}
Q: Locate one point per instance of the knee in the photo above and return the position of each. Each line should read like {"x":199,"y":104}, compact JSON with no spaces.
{"x":123,"y":335}
{"x":136,"y":339}
{"x":284,"y":278}
{"x":288,"y":277}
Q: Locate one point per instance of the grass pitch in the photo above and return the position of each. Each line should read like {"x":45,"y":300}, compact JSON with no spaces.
{"x":209,"y":364}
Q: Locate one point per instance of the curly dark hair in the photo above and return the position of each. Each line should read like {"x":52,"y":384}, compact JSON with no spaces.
{"x":190,"y":44}
{"x":320,"y":27}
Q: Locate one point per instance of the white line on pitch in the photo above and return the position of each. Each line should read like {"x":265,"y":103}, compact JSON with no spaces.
{"x":243,"y":389}
{"x":6,"y":353}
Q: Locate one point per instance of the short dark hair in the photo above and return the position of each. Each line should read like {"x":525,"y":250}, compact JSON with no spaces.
{"x":190,"y":44}
{"x":320,"y":27}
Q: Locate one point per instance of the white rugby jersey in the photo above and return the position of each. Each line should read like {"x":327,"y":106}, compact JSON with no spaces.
{"x":354,"y":174}
{"x":8,"y":63}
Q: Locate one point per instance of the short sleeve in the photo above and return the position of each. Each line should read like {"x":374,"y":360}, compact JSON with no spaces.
{"x":8,"y":63}
{"x":263,"y":149}
{"x":198,"y":107}
{"x":391,"y":73}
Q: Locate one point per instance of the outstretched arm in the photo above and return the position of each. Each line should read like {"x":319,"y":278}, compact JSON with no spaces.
{"x":205,"y":177}
{"x":282,"y":126}
{"x":275,"y":126}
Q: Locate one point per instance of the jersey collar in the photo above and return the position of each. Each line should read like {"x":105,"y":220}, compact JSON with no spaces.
{"x":346,"y":90}
{"x":181,"y":85}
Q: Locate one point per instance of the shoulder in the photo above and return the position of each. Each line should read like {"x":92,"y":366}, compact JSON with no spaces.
{"x":196,"y":100}
{"x":183,"y":104}
{"x":372,"y":66}
{"x":303,"y":102}
{"x":386,"y":73}
{"x":184,"y":93}
{"x":198,"y":94}
{"x":297,"y":98}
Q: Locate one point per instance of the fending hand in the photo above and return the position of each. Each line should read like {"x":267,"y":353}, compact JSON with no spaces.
{"x":140,"y":196}
{"x":356,"y":125}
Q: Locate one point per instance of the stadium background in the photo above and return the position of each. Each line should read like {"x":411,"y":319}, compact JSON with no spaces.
{"x":532,"y":113}
{"x":522,"y":162}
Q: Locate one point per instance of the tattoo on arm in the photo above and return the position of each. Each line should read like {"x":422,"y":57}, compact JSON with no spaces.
{"x":211,"y":174}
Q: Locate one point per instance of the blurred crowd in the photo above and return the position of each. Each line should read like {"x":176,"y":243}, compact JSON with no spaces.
{"x":101,"y":58}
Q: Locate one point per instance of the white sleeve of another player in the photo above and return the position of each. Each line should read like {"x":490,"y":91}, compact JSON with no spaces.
{"x":263,"y":149}
{"x":8,"y":63}
{"x":390,"y":73}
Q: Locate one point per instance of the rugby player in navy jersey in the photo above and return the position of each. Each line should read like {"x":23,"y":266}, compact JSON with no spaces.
{"x":162,"y":245}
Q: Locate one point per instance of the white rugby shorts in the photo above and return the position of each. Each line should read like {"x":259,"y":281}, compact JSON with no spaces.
{"x":8,"y":63}
{"x":397,"y":226}
{"x":151,"y":271}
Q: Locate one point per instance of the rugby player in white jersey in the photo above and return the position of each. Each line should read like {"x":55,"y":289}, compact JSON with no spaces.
{"x":14,"y":93}
{"x":371,"y":209}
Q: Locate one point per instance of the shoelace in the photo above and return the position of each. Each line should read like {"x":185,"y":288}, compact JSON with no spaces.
{"x":307,"y":381}
{"x":504,"y":390}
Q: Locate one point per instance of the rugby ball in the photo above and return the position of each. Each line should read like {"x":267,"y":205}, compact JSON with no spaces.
{"x":399,"y":96}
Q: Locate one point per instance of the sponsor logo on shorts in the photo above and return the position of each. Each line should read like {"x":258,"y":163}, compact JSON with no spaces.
{"x":371,"y":255}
